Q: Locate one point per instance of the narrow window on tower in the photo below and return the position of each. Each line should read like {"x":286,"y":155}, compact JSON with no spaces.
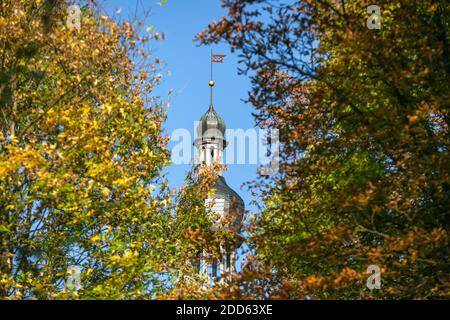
{"x":203,"y":155}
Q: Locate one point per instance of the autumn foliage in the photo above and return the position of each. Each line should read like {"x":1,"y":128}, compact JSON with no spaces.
{"x":364,"y":179}
{"x":363,"y":116}
{"x":81,"y":153}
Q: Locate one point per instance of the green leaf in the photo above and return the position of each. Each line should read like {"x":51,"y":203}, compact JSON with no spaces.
{"x":3,"y":228}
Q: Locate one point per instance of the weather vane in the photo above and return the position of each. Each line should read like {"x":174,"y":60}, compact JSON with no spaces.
{"x":215,"y":58}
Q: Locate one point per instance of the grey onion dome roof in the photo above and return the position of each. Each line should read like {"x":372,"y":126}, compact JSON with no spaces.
{"x":211,"y":121}
{"x":223,"y":191}
{"x":235,"y":205}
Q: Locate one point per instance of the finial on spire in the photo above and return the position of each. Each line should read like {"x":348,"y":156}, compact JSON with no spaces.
{"x":211,"y":85}
{"x":215,"y":58}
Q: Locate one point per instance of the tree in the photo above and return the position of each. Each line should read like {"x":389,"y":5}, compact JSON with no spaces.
{"x":196,"y":238}
{"x":81,"y":153}
{"x":363,"y":116}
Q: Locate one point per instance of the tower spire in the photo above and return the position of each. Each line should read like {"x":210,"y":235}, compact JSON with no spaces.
{"x":218,"y":58}
{"x":211,"y":84}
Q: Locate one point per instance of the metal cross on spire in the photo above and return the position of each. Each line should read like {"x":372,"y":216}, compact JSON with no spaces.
{"x":215,"y":58}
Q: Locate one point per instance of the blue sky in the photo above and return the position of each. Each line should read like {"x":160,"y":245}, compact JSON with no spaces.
{"x":186,"y":74}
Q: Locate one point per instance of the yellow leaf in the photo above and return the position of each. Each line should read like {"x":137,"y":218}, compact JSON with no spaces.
{"x":108,"y":108}
{"x":95,"y":238}
{"x":106,"y":192}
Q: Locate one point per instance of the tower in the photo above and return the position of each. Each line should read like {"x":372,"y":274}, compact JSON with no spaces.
{"x":225,"y":203}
